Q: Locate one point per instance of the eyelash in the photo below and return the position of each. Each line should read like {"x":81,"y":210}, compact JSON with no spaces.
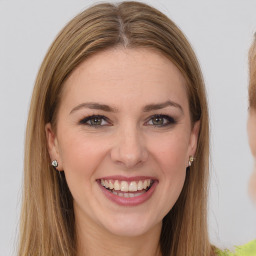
{"x":85,"y":121}
{"x":169,"y":120}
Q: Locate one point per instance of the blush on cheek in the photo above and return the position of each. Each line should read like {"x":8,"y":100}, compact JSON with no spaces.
{"x":173,"y":165}
{"x":252,"y":185}
{"x":174,"y":154}
{"x":251,"y":127}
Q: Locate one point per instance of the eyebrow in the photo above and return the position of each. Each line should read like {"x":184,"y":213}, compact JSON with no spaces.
{"x":147,"y":108}
{"x":93,"y":105}
{"x":158,"y":106}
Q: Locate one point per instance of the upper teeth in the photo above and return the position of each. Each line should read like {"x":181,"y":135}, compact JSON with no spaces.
{"x":125,"y":186}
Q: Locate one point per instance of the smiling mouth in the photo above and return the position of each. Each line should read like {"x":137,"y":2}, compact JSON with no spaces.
{"x":127,"y":189}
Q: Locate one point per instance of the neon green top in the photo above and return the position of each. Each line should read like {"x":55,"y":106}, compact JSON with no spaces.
{"x":245,"y":250}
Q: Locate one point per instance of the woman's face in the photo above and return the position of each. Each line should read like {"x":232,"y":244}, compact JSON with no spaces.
{"x":123,"y":139}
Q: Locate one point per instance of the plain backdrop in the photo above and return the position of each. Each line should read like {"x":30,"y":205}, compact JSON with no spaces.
{"x":220,"y":32}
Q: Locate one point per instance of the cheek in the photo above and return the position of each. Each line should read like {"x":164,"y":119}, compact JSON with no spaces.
{"x":252,"y":134}
{"x":81,"y":156}
{"x":172,"y":153}
{"x":172,"y":160}
{"x":252,"y":185}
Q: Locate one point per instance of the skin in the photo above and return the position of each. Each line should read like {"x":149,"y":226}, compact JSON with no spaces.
{"x":128,"y":143}
{"x":251,"y":127}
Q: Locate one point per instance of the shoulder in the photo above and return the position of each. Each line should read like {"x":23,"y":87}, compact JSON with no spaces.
{"x":248,"y":249}
{"x":223,"y":253}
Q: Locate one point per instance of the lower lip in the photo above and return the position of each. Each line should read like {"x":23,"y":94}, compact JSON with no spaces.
{"x":129,"y":201}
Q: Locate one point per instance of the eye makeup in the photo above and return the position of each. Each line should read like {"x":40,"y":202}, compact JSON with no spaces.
{"x":161,"y":120}
{"x":157,"y":120}
{"x":95,"y":121}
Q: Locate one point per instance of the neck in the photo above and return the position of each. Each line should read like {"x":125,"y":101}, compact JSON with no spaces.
{"x":95,"y":240}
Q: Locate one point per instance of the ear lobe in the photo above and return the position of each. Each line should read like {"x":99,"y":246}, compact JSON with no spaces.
{"x":194,"y":138}
{"x":52,"y":144}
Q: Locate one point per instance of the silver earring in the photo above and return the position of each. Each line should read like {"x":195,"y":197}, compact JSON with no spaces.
{"x":191,"y":160}
{"x":55,"y":163}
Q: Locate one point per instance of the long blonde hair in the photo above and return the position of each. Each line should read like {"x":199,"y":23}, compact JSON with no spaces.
{"x":47,"y":219}
{"x":252,"y":75}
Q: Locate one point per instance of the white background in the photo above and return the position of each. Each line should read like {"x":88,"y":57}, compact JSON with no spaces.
{"x":220,"y":32}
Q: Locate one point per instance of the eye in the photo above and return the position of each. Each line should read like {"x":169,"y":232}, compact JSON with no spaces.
{"x":161,"y":120}
{"x":95,"y":120}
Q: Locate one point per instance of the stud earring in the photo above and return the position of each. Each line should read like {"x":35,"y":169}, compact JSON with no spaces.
{"x":191,"y":160}
{"x":55,"y":163}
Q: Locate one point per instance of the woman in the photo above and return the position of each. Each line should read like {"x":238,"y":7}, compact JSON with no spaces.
{"x":117,"y":117}
{"x":252,"y":114}
{"x":250,"y":248}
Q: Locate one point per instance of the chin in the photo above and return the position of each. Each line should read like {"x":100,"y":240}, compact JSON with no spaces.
{"x":130,"y":227}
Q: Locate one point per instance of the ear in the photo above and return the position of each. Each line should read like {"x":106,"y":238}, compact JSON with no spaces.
{"x":194,"y":139}
{"x":53,"y":147}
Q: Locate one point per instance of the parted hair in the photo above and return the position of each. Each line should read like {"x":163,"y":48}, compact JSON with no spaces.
{"x":47,"y":225}
{"x":252,"y":75}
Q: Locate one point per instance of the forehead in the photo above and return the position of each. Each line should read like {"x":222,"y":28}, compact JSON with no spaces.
{"x":118,"y":75}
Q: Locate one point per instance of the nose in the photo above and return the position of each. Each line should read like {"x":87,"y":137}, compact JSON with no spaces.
{"x":129,"y":148}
